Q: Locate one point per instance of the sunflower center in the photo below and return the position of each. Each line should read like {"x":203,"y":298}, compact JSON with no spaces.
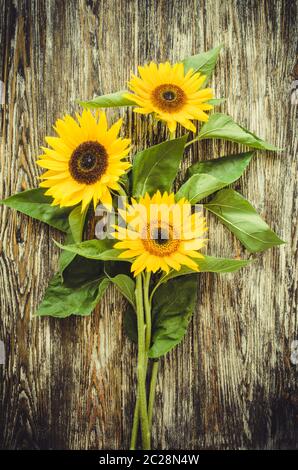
{"x":160,"y":235}
{"x":160,"y":241}
{"x":88,"y":162}
{"x":168,"y":97}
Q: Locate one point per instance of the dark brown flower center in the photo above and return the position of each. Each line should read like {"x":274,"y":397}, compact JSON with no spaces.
{"x":160,"y":235}
{"x":169,"y":95}
{"x":168,"y":98}
{"x":160,"y":240}
{"x":88,"y":162}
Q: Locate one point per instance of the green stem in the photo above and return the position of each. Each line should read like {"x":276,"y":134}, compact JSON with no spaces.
{"x":121,"y":191}
{"x":191,"y":142}
{"x":142,"y":364}
{"x":172,"y":135}
{"x":147,"y":310}
{"x":152,"y":391}
{"x":135,"y":425}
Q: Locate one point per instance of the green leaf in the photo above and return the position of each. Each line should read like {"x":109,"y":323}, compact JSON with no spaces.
{"x":173,"y":305}
{"x":94,"y":249}
{"x":82,"y":271}
{"x":204,"y":62}
{"x":76,"y":220}
{"x":108,"y":101}
{"x":124,"y":181}
{"x":156,"y":167}
{"x":241,"y":218}
{"x":83,"y":284}
{"x":118,"y":272}
{"x":210,"y":176}
{"x":66,"y":257}
{"x":34,"y":203}
{"x":62,"y":300}
{"x":126,"y":286}
{"x":222,"y":126}
{"x":210,"y":264}
{"x":217,"y":101}
{"x":76,"y":223}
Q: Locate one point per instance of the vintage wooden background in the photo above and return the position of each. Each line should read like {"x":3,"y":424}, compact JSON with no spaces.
{"x":67,"y":384}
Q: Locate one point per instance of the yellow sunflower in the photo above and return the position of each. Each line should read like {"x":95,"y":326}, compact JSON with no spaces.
{"x":175,"y":96}
{"x":160,"y":234}
{"x":85,"y":161}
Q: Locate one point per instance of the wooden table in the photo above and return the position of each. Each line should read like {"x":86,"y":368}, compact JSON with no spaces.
{"x":68,"y":384}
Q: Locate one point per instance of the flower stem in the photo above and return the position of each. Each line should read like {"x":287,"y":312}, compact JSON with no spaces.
{"x":153,"y":381}
{"x":121,"y":192}
{"x":142,"y":365}
{"x":172,"y":135}
{"x":191,"y":142}
{"x":147,"y":310}
{"x":135,"y":427}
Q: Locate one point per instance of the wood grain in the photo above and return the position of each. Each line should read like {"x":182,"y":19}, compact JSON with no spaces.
{"x":69,"y":383}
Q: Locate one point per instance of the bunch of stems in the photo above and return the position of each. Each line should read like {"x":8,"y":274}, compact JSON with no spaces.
{"x":144,"y":407}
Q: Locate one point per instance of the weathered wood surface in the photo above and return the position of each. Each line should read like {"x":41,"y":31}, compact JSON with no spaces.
{"x":69,"y":383}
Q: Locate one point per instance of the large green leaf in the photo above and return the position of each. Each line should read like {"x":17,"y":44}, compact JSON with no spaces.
{"x":108,"y":101}
{"x":156,"y":167}
{"x":94,"y":249}
{"x":241,"y":218}
{"x":210,"y":176}
{"x":70,"y":220}
{"x":203,"y":62}
{"x":62,"y":300}
{"x":82,"y":271}
{"x":126,"y":286}
{"x":210,"y":264}
{"x":83,"y":284}
{"x":76,"y":220}
{"x":173,"y":305}
{"x":34,"y":203}
{"x":222,"y":126}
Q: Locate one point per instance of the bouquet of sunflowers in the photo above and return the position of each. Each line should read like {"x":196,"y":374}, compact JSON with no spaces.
{"x":150,"y":241}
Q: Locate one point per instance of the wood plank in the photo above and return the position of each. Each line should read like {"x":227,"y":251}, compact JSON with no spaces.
{"x":69,"y":383}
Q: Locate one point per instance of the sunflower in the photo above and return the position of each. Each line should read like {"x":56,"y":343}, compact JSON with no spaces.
{"x":85,"y":161}
{"x":160,"y":234}
{"x":175,"y":96}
